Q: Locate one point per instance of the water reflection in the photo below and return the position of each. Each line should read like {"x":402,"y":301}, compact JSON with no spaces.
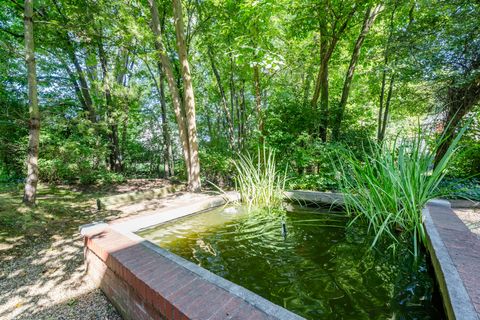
{"x":319,"y":270}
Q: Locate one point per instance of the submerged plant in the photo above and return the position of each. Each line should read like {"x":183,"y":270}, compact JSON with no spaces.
{"x":388,"y":188}
{"x":258,"y":180}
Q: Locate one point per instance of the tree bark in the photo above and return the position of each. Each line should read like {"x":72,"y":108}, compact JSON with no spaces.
{"x":168,"y":166}
{"x":115,"y":157}
{"x":327,"y":46}
{"x":82,"y":81}
{"x":387,"y":110}
{"x":172,"y":85}
{"x":323,"y":121}
{"x":460,"y":101}
{"x":75,"y":85}
{"x":306,"y":87}
{"x":368,"y":21}
{"x":231,"y":132}
{"x":30,"y":193}
{"x":383,"y":118}
{"x":194,"y":183}
{"x":258,"y":100}
{"x":169,"y":162}
{"x":242,"y":118}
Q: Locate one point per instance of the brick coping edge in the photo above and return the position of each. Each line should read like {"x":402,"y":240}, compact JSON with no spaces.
{"x":128,"y":227}
{"x":456,"y":299}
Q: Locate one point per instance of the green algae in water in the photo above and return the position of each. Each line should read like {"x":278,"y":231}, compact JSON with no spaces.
{"x":319,"y":269}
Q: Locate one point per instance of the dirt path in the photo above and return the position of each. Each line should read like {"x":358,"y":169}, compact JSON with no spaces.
{"x":47,"y":281}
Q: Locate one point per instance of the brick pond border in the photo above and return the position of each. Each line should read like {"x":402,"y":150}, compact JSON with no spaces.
{"x":453,"y":248}
{"x":455,"y":255}
{"x":145,"y":281}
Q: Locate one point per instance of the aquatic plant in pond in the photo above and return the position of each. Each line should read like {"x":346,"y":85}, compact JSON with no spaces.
{"x":258,"y":180}
{"x":389,"y":188}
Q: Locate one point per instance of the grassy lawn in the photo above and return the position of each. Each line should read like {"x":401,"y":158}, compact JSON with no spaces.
{"x":59,"y":210}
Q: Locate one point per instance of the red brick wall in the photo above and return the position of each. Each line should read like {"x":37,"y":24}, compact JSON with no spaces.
{"x":144,"y":284}
{"x":123,"y":296}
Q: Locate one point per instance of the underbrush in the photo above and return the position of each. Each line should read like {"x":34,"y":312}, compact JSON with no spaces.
{"x":458,"y":188}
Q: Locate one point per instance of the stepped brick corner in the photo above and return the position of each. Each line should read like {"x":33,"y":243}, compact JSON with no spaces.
{"x":144,"y":281}
{"x":145,"y":285}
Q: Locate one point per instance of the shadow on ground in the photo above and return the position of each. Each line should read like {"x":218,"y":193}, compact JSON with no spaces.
{"x":42,"y":274}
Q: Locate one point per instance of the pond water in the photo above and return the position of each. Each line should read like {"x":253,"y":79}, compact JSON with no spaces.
{"x":319,"y":269}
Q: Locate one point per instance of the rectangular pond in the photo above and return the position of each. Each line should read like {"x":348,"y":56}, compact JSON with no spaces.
{"x":306,"y":261}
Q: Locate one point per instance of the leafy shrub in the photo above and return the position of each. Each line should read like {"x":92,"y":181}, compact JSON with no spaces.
{"x":108,"y":177}
{"x":466,"y":164}
{"x":456,"y":188}
{"x":217,"y":167}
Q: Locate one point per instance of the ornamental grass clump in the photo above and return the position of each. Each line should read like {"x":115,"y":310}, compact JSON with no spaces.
{"x":388,"y":188}
{"x":259,"y":181}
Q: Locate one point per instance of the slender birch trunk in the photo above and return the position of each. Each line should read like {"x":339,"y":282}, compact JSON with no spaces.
{"x":188,"y":98}
{"x":168,"y":162}
{"x":231,"y":132}
{"x":172,"y":85}
{"x":30,"y":194}
{"x":258,"y":100}
{"x":370,"y":16}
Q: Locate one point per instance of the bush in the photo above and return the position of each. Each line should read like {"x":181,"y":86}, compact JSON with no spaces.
{"x":107,"y":177}
{"x":217,"y":167}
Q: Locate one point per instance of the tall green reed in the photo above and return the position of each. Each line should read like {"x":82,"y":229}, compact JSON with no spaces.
{"x":391,"y":183}
{"x":258,"y":180}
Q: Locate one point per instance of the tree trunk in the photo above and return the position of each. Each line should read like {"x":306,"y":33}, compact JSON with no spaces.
{"x":380,"y":109}
{"x":76,"y":87}
{"x":387,"y":110}
{"x":172,"y":85}
{"x":323,"y":125}
{"x":368,"y":21}
{"x":460,"y":101}
{"x":383,"y":118}
{"x":321,"y":85}
{"x":231,"y":132}
{"x":318,"y":82}
{"x":83,"y":82}
{"x":327,"y":46}
{"x":30,"y":193}
{"x":233,"y":95}
{"x":168,"y":164}
{"x":115,"y":157}
{"x":258,"y":100}
{"x":189,"y":99}
{"x":242,"y":119}
{"x":306,"y":86}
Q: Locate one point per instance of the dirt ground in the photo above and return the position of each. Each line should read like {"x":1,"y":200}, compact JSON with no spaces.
{"x":41,"y":252}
